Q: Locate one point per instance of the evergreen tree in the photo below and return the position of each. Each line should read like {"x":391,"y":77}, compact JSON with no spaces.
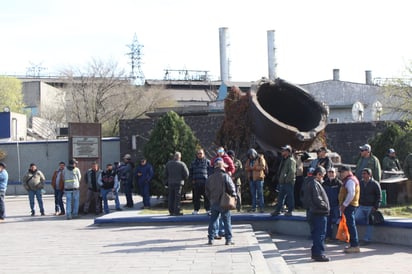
{"x":169,"y":135}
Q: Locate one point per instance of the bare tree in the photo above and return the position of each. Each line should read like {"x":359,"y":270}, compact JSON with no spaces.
{"x":398,"y":94}
{"x":104,"y":94}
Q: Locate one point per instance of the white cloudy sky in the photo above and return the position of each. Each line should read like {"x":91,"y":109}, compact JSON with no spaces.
{"x":312,"y":37}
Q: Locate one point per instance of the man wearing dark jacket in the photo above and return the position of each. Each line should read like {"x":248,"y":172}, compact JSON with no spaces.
{"x":332,"y":186}
{"x":217,"y":184}
{"x":176,"y":172}
{"x":144,"y":175}
{"x":318,"y":204}
{"x":198,"y":173}
{"x":369,"y":201}
{"x":286,"y":177}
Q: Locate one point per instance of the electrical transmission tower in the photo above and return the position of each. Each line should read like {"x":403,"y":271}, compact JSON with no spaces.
{"x":34,"y":70}
{"x":135,"y":56}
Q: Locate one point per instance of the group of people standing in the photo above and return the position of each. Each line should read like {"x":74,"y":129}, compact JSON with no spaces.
{"x":210,"y":179}
{"x":355,"y":195}
{"x":65,"y":180}
{"x":102,"y":186}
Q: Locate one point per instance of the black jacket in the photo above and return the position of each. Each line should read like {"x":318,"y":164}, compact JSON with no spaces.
{"x":315,"y":198}
{"x":370,"y":194}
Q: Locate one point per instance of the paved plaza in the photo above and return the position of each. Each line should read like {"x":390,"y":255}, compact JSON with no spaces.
{"x":50,"y":244}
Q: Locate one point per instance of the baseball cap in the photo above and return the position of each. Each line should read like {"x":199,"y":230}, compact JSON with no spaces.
{"x":231,"y":153}
{"x":331,"y":169}
{"x":3,"y":165}
{"x":366,"y":147}
{"x":287,"y":147}
{"x":219,"y":161}
{"x":127,"y":157}
{"x":345,"y":168}
{"x":319,"y":169}
{"x":391,"y":150}
{"x":367,"y":170}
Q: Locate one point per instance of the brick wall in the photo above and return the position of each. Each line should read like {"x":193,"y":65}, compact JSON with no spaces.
{"x":344,"y":139}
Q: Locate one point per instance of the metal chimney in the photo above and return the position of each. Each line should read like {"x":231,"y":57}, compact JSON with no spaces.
{"x":368,"y":77}
{"x":224,"y":57}
{"x":271,"y":54}
{"x":336,"y":76}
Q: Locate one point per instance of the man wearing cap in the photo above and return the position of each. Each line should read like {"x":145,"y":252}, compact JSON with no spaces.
{"x":125,"y":173}
{"x":72,"y":177}
{"x":368,"y":160}
{"x":369,"y":201}
{"x":220,"y":153}
{"x":318,"y":206}
{"x":286,"y":178}
{"x":349,"y":201}
{"x":322,"y":160}
{"x":176,"y":172}
{"x":332,"y":185}
{"x":216,"y":185}
{"x":255,"y":167}
{"x":109,"y":183}
{"x":390,"y":162}
{"x":4,"y":178}
{"x":144,"y":174}
{"x":33,"y":182}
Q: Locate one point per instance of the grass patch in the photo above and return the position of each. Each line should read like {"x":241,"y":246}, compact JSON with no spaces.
{"x":403,"y":211}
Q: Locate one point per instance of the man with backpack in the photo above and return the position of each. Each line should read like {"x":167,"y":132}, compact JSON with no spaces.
{"x":255,"y":167}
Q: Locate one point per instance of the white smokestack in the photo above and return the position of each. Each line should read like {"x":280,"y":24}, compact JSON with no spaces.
{"x":224,"y":56}
{"x":271,"y":54}
{"x":368,"y":77}
{"x":336,"y":76}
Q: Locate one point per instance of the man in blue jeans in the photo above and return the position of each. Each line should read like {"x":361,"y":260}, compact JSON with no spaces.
{"x":349,"y":201}
{"x":217,"y":184}
{"x":286,"y":178}
{"x":317,"y":202}
{"x":370,"y":200}
{"x":144,"y":175}
{"x":4,"y":177}
{"x":72,"y":177}
{"x":109,"y":182}
{"x":255,"y":167}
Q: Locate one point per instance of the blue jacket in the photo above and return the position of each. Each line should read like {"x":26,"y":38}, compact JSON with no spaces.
{"x":146,"y":172}
{"x":332,"y":188}
{"x":4,"y":177}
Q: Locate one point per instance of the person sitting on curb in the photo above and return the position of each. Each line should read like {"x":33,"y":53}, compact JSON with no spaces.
{"x":369,"y":201}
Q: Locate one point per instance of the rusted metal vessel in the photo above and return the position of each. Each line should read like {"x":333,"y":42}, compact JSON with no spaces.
{"x":284,"y":113}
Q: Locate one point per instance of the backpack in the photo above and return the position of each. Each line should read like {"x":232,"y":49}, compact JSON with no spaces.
{"x":376,"y":218}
